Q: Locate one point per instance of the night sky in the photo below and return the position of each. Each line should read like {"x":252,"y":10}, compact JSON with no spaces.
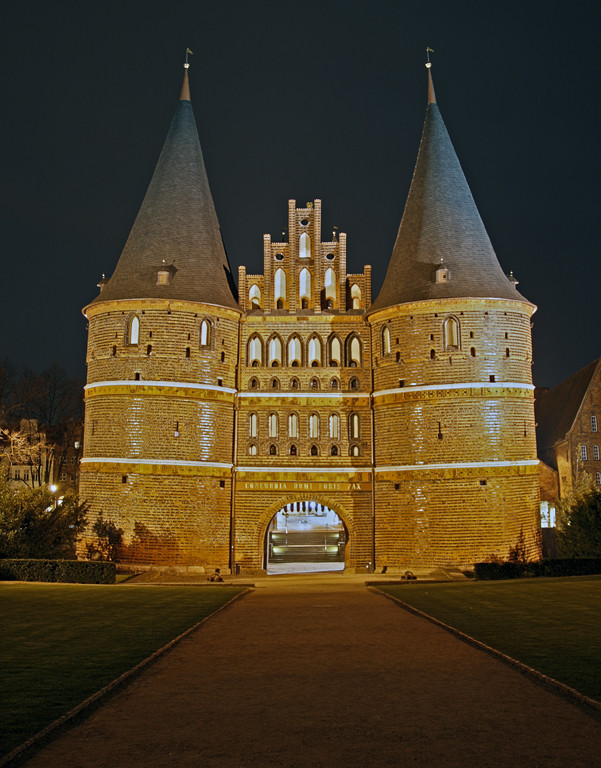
{"x":298,"y":100}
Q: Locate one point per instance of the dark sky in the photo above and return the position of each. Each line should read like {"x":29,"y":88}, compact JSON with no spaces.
{"x":298,"y":100}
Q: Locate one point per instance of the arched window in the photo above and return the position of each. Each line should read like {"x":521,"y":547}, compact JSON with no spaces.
{"x":450,"y":329}
{"x":314,"y":384}
{"x":252,"y":449}
{"x":596,"y":454}
{"x":330,"y":286}
{"x":253,"y":425}
{"x":133,"y":330}
{"x":272,"y":424}
{"x":274,"y":383}
{"x":253,"y":383}
{"x":254,"y":297}
{"x":314,"y":425}
{"x":334,"y":450}
{"x":334,"y":384}
{"x":334,"y":426}
{"x":353,"y":351}
{"x":255,"y":351}
{"x":354,"y":383}
{"x":293,"y":450}
{"x":293,"y":425}
{"x":314,"y":351}
{"x":334,"y":351}
{"x":355,"y":450}
{"x":279,"y":286}
{"x":206,"y":333}
{"x":273,"y":450}
{"x":295,"y":351}
{"x":354,"y":426}
{"x":386,"y":340}
{"x":304,"y":285}
{"x":593,"y":423}
{"x":355,"y":296}
{"x":313,"y":450}
{"x":584,"y":453}
{"x":275,"y":351}
{"x":304,"y":246}
{"x":294,"y":383}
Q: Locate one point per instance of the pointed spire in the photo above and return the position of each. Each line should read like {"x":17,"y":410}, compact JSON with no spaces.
{"x":176,"y":225}
{"x":441,"y":224}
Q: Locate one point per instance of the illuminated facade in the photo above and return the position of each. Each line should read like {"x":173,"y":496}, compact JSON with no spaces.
{"x":210,"y":410}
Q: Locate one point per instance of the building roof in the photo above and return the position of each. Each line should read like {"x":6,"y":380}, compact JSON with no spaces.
{"x":176,"y":227}
{"x":556,"y":410}
{"x":441,"y":226}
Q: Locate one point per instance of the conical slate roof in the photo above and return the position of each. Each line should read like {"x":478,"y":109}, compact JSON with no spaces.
{"x":176,"y":228}
{"x":441,"y":226}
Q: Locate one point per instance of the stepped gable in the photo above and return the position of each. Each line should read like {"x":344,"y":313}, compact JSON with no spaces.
{"x":556,"y":410}
{"x":441,"y":226}
{"x":176,"y":228}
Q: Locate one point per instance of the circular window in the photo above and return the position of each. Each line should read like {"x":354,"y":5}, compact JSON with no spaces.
{"x":304,"y":222}
{"x":279,"y":257}
{"x":329,"y":256}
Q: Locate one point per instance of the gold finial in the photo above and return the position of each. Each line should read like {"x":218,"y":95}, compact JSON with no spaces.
{"x":428,"y":52}
{"x":186,"y":64}
{"x":431,"y":94}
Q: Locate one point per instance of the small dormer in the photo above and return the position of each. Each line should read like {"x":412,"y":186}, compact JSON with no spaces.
{"x":443,"y":275}
{"x":165,"y":273}
{"x":102,"y":282}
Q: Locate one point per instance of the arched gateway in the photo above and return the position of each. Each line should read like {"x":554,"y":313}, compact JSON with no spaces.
{"x":305,"y":536}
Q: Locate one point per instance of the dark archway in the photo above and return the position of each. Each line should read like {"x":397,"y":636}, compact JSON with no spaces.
{"x":303,"y":537}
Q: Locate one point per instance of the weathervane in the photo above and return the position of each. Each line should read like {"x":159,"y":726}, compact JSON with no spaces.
{"x":428,"y":52}
{"x":188,"y":51}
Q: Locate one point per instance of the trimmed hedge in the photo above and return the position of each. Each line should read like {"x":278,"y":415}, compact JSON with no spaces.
{"x":68,"y":571}
{"x":565,"y":566}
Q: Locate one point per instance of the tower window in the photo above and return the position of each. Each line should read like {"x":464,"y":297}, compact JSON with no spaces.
{"x":206,"y":333}
{"x":355,"y":296}
{"x":451,"y":333}
{"x":279,"y":285}
{"x":386,"y":340}
{"x":133,"y":331}
{"x":492,"y":377}
{"x":304,"y":246}
{"x":187,"y":351}
{"x":473,"y":351}
{"x":255,"y":351}
{"x":149,"y":349}
{"x":114,"y":351}
{"x":254,"y":297}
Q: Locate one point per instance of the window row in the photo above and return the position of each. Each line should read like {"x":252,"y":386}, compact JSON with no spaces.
{"x":313,"y":425}
{"x":451,"y":338}
{"x":315,"y":384}
{"x":206,"y":332}
{"x":584,"y":453}
{"x":305,"y":291}
{"x":296,"y":353}
{"x":293,"y":450}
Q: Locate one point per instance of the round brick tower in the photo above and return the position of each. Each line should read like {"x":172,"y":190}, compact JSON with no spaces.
{"x":163,"y":335}
{"x":455,"y":450}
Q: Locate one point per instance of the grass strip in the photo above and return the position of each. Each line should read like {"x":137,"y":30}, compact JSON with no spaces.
{"x":551,"y":625}
{"x":61,"y":643}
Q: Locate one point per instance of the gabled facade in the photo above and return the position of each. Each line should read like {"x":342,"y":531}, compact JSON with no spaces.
{"x":210,"y":413}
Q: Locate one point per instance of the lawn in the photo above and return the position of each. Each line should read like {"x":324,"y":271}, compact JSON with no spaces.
{"x":552,"y":625}
{"x":61,"y":643}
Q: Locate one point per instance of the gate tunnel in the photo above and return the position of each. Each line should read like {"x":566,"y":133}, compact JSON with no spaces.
{"x":305,"y":537}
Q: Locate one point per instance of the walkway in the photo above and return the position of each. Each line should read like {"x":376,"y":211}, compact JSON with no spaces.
{"x":319,"y":672}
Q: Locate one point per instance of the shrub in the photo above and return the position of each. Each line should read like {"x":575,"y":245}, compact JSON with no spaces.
{"x":67,"y":571}
{"x":568,"y":566}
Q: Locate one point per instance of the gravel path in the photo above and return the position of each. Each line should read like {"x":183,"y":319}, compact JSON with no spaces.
{"x":321,"y":672}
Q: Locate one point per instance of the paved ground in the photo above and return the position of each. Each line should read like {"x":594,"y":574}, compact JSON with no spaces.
{"x":322,"y":673}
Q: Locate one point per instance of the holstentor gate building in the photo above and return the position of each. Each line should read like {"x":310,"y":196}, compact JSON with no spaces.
{"x":211,"y":408}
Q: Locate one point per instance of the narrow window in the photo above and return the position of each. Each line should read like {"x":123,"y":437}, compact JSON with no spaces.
{"x":314,"y":425}
{"x":334,"y":426}
{"x":355,"y":296}
{"x":451,"y":333}
{"x":134,"y":330}
{"x":354,"y":426}
{"x":583,"y":453}
{"x":354,"y":383}
{"x":294,"y":352}
{"x":335,"y":351}
{"x":473,"y":351}
{"x":314,"y":351}
{"x":334,"y":450}
{"x":149,"y":349}
{"x":254,"y":297}
{"x":432,"y":354}
{"x":274,"y":384}
{"x":386,"y":340}
{"x":507,"y":352}
{"x":293,"y":450}
{"x":273,"y":451}
{"x":314,"y":451}
{"x":255,"y":351}
{"x":253,"y":425}
{"x":114,"y":351}
{"x":304,"y":246}
{"x":353,"y":351}
{"x":279,"y":285}
{"x":355,"y":450}
{"x":187,"y":351}
{"x":330,"y":287}
{"x":223,"y":357}
{"x":334,"y":384}
{"x":252,"y":449}
{"x":593,"y":423}
{"x":597,"y":478}
{"x":314,"y":384}
{"x":272,"y":423}
{"x":275,"y":351}
{"x":293,"y":425}
{"x":138,"y":376}
{"x":596,"y":454}
{"x":304,"y":285}
{"x":254,"y":384}
{"x":205,"y":333}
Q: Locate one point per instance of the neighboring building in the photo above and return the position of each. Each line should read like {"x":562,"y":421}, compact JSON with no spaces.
{"x":214,"y":417}
{"x":568,"y":420}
